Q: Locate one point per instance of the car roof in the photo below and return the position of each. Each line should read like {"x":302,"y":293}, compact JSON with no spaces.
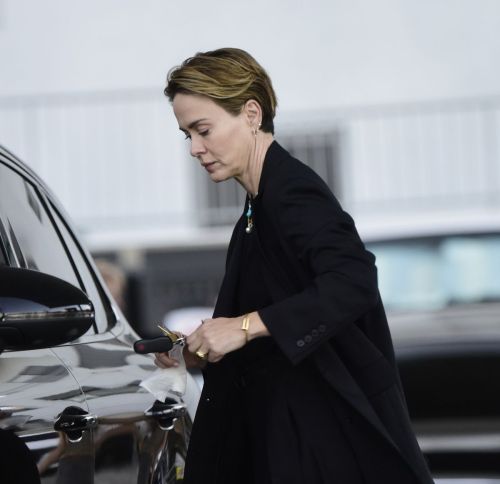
{"x":11,"y":159}
{"x":428,"y":223}
{"x":5,"y":154}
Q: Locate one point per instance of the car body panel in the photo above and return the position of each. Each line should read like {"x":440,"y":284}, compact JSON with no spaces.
{"x":78,"y":409}
{"x":442,"y":296}
{"x":35,"y":388}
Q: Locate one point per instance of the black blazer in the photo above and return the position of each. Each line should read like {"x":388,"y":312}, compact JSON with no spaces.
{"x":327,"y":308}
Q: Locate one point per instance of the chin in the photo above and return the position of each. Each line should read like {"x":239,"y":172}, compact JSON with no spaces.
{"x":218,"y":177}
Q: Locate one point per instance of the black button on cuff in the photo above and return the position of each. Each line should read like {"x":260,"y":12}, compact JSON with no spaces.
{"x":322,"y":328}
{"x":300,"y":343}
{"x":315,"y":333}
{"x":308,"y":338}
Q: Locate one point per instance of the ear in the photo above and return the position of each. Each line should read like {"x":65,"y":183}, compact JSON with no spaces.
{"x":253,"y":113}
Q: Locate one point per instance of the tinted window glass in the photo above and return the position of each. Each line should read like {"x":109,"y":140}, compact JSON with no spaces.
{"x":3,"y":240}
{"x":103,"y":312}
{"x":3,"y":260}
{"x":435,"y":273}
{"x":32,"y":236}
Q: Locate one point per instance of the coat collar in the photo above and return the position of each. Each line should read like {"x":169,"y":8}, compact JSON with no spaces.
{"x":275,"y":155}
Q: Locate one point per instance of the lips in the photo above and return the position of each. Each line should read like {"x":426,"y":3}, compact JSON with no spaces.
{"x":209,"y":166}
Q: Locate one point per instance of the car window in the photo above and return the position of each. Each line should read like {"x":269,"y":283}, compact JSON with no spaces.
{"x":3,"y":258}
{"x":103,"y":312}
{"x":409,"y":275}
{"x":3,"y":240}
{"x":472,"y":268}
{"x":437,"y":272}
{"x":34,"y":240}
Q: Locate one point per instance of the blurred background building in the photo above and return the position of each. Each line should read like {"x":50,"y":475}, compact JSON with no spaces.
{"x":395,"y":103}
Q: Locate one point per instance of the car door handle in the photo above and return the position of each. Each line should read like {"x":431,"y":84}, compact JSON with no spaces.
{"x":73,"y":421}
{"x":166,"y":413}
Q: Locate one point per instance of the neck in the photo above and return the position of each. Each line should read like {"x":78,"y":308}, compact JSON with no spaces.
{"x":251,"y":177}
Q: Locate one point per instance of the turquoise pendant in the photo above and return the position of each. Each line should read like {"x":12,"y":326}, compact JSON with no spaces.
{"x":249,"y":213}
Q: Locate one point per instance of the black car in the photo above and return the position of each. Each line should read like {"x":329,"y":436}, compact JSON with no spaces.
{"x":442,"y":296}
{"x":71,"y":408}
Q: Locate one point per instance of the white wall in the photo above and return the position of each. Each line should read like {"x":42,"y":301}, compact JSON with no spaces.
{"x":320,"y":53}
{"x":55,"y":55}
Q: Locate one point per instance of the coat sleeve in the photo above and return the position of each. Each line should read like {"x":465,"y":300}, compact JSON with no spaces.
{"x":342,"y":274}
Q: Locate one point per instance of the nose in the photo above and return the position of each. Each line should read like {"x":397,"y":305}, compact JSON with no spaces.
{"x":197,"y":147}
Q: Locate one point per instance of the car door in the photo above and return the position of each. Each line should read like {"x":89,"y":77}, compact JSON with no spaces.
{"x":105,"y":428}
{"x":137,"y":438}
{"x":35,"y":385}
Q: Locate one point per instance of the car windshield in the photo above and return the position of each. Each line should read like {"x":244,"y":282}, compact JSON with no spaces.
{"x":431,"y":273}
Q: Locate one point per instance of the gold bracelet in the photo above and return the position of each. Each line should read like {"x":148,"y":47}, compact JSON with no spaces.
{"x":245,"y":325}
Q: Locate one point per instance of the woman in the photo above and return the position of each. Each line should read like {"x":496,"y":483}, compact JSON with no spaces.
{"x":301,"y":384}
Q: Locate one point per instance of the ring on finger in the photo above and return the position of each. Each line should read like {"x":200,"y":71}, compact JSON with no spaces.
{"x":201,"y":355}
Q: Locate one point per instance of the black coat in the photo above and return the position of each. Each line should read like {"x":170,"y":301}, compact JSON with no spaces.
{"x":326,"y":313}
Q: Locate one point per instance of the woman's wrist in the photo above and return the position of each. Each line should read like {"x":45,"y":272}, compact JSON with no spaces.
{"x":253,"y":326}
{"x":245,"y":326}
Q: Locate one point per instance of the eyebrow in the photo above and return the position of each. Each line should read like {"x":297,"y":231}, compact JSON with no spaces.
{"x":193,"y":124}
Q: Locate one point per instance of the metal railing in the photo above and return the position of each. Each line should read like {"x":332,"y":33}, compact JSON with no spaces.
{"x":117,"y":161}
{"x":409,"y":157}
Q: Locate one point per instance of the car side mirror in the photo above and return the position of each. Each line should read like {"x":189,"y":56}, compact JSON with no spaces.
{"x":38,"y":310}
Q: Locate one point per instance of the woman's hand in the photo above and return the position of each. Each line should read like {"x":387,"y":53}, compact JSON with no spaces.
{"x":217,"y":337}
{"x":214,"y":338}
{"x":163,"y":360}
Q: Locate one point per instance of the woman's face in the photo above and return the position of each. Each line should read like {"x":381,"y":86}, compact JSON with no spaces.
{"x":221,"y":141}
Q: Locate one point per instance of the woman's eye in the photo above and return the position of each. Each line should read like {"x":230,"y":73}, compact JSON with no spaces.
{"x":204,"y":133}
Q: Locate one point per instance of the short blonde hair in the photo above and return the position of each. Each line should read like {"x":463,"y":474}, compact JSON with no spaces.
{"x":230,"y":77}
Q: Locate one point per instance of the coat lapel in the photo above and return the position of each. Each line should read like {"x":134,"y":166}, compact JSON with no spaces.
{"x":225,"y":305}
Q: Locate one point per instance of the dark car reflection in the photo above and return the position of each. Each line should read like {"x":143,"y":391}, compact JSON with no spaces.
{"x":442,"y":295}
{"x":100,"y":431}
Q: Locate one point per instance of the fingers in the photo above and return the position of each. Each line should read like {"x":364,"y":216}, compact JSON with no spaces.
{"x":163,"y":360}
{"x":203,"y":355}
{"x":216,"y":337}
{"x":197,"y":345}
{"x":194,"y":341}
{"x":192,"y":361}
{"x":214,"y":357}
